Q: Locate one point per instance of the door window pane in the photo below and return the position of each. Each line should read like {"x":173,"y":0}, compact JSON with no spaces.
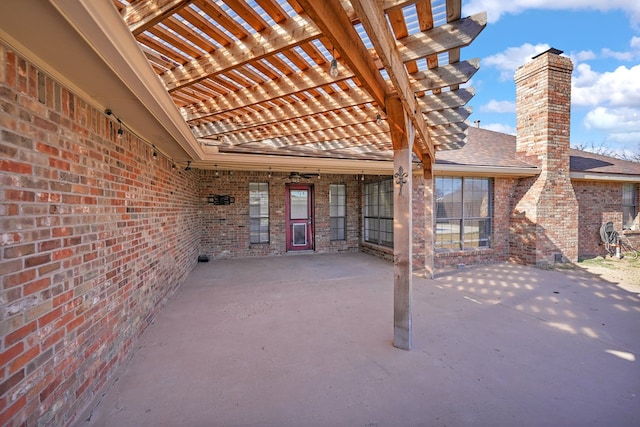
{"x":299,"y":204}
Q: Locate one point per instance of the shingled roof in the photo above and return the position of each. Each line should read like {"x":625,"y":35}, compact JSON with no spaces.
{"x":484,"y":148}
{"x":490,"y":149}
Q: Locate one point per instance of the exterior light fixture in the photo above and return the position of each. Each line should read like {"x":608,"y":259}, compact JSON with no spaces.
{"x":333,"y":69}
{"x":155,"y":153}
{"x":379,"y":119}
{"x":188,"y":168}
{"x":120,"y":132}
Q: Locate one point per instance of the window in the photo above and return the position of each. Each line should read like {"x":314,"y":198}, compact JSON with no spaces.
{"x":258,"y":212}
{"x":378,"y":213}
{"x":337,"y":211}
{"x":463,"y":212}
{"x":628,"y":205}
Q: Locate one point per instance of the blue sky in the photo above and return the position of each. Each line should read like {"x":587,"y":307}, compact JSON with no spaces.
{"x":602,"y":38}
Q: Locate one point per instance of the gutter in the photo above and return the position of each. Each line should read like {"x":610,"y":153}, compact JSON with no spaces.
{"x":498,"y":171}
{"x":590,"y":176}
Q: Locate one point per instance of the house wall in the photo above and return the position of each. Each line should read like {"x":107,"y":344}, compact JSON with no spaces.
{"x":599,"y":202}
{"x":225,"y":228}
{"x":95,"y":236}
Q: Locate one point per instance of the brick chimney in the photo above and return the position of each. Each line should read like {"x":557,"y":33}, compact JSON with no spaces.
{"x":544,"y":224}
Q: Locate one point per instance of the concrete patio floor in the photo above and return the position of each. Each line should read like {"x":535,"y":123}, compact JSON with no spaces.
{"x":307,"y":341}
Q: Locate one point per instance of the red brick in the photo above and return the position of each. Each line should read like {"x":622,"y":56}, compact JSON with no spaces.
{"x":15,"y":167}
{"x":19,"y":278}
{"x":62,"y":254}
{"x":37,"y":260}
{"x":23,"y":359}
{"x":19,"y":334}
{"x":19,"y":195}
{"x":49,"y":317}
{"x":12,"y":410}
{"x":11,"y":382}
{"x":19,"y":251}
{"x":11,"y":353}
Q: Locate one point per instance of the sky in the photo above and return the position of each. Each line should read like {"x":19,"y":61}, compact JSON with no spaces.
{"x":601,"y":37}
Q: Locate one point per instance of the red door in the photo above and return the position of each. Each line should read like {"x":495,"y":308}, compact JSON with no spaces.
{"x":299,"y":214}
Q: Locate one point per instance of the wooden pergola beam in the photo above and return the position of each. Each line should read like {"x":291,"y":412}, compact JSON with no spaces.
{"x":143,"y":15}
{"x":375,"y":23}
{"x":336,"y":26}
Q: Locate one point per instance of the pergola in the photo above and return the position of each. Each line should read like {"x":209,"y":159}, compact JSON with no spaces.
{"x":325,"y":85}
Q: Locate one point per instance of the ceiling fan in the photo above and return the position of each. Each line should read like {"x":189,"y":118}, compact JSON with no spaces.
{"x":296,"y":176}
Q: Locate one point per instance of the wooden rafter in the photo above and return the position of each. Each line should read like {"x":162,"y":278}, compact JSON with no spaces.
{"x":335,"y":24}
{"x":145,"y":14}
{"x":374,"y":21}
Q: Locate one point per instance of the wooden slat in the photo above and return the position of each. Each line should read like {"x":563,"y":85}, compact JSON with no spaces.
{"x":338,"y":127}
{"x":286,"y":85}
{"x":221,"y":18}
{"x":445,"y":76}
{"x":445,"y":100}
{"x":295,"y":31}
{"x":143,"y":15}
{"x":451,"y":128}
{"x":441,"y":39}
{"x":312,"y":106}
{"x":441,"y":117}
{"x":340,"y":117}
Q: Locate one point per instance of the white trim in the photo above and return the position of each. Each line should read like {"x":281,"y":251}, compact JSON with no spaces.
{"x":492,"y":171}
{"x":586,"y":176}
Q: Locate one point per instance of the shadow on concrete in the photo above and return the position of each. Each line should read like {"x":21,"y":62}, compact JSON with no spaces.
{"x":307,"y":340}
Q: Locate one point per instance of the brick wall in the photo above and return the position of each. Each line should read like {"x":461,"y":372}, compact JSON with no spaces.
{"x":545,"y":217}
{"x":95,"y":235}
{"x":225,"y":228}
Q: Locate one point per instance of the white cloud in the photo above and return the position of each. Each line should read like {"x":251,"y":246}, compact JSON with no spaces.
{"x":494,"y":106}
{"x":496,"y":8}
{"x":635,"y":42}
{"x":615,"y":98}
{"x":613,"y":120}
{"x":499,"y":127}
{"x":615,"y":89}
{"x":583,"y":55}
{"x":620,"y":56}
{"x":507,"y":62}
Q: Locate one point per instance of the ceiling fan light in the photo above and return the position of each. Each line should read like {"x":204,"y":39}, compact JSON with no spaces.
{"x":333,"y":70}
